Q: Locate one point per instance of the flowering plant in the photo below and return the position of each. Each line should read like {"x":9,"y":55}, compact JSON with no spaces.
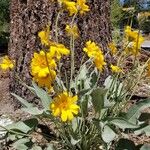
{"x":83,"y":114}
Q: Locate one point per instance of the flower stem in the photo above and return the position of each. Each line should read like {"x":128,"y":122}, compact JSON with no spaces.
{"x":56,"y":26}
{"x":72,"y":40}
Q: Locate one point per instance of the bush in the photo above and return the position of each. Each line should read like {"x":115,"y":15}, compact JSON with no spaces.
{"x":84,"y":114}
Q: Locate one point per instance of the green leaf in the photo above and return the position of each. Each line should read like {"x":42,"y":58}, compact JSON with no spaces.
{"x":36,"y":148}
{"x":83,"y":80}
{"x":98,"y":99}
{"x":84,"y":105}
{"x":125,"y":144}
{"x":108,"y":82}
{"x":135,"y":110}
{"x":19,"y":126}
{"x":11,"y":137}
{"x":114,"y":86}
{"x":108,"y":135}
{"x":23,"y":126}
{"x":145,"y":147}
{"x":22,"y":144}
{"x":33,"y":110}
{"x":73,"y":141}
{"x":50,"y":147}
{"x":123,"y":123}
{"x":43,"y":95}
{"x":143,"y":130}
{"x":32,"y":123}
{"x":83,"y":73}
{"x":74,"y":124}
{"x":23,"y":101}
{"x":60,"y":84}
{"x":94,"y":77}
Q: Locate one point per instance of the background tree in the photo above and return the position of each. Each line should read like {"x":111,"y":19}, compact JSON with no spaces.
{"x":116,"y":13}
{"x":4,"y":25}
{"x":28,"y":17}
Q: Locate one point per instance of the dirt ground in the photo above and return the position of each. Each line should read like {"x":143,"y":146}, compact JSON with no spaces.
{"x":5,"y":105}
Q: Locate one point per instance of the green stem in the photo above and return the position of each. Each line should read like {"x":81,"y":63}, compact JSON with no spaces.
{"x":72,"y":40}
{"x":56,"y":26}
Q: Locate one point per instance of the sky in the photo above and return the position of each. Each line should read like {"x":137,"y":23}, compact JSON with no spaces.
{"x":144,"y":5}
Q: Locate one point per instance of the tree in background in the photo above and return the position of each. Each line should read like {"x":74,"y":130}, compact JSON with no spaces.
{"x":4,"y":25}
{"x":116,"y":13}
{"x":28,"y":17}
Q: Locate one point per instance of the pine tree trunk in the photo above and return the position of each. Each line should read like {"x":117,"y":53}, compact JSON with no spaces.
{"x":30,"y":16}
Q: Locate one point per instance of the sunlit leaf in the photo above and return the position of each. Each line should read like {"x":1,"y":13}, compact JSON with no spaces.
{"x":122,"y":123}
{"x":33,"y":110}
{"x":23,"y":144}
{"x":108,"y":135}
{"x":43,"y":95}
{"x":23,"y":126}
{"x":23,"y":101}
{"x":98,"y":99}
{"x":145,"y":147}
{"x":135,"y":110}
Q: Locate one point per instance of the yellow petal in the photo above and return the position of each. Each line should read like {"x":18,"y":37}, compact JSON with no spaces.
{"x":64,"y":116}
{"x":57,"y":112}
{"x":69,"y":115}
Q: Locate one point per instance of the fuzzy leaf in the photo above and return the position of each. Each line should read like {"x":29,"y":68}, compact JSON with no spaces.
{"x":50,"y":147}
{"x":84,"y":105}
{"x":123,"y":123}
{"x":23,"y":126}
{"x":108,"y":134}
{"x":23,"y":101}
{"x":22,"y":144}
{"x":143,"y":130}
{"x":73,"y":141}
{"x":145,"y":147}
{"x":33,"y":110}
{"x":135,"y":111}
{"x":36,"y":148}
{"x":43,"y":95}
{"x":98,"y":99}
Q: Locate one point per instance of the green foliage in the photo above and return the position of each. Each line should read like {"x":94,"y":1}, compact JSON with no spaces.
{"x":4,"y":13}
{"x":116,"y":13}
{"x":144,"y":22}
{"x":4,"y":23}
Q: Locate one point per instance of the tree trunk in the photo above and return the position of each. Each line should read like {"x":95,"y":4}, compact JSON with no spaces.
{"x":30,"y":16}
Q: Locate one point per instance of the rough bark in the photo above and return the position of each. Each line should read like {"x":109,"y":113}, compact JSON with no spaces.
{"x":30,"y":16}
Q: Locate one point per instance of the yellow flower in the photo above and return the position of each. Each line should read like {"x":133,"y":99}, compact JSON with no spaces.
{"x":91,"y":49}
{"x":99,"y":61}
{"x":71,"y":7}
{"x":45,"y":36}
{"x":41,"y":63}
{"x":72,"y":31}
{"x":115,"y":69}
{"x":43,"y":69}
{"x":65,"y":106}
{"x":6,"y":63}
{"x":134,"y":40}
{"x":82,"y":7}
{"x":112,"y":48}
{"x":134,"y":47}
{"x":46,"y":81}
{"x":57,"y":50}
